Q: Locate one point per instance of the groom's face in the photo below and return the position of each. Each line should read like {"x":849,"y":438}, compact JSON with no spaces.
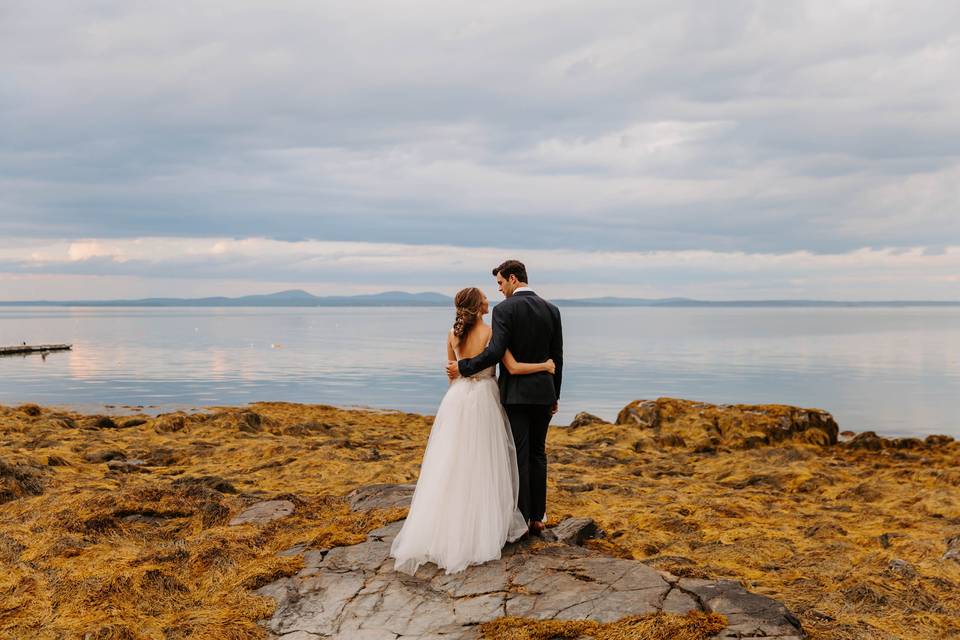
{"x":506,"y":287}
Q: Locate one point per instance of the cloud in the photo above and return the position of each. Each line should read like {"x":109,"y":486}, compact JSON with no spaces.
{"x":202,"y":266}
{"x":752,"y":127}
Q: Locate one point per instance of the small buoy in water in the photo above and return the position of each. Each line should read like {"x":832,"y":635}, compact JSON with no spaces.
{"x":276,"y":346}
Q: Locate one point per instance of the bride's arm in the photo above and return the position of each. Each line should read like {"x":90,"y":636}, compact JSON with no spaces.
{"x":450,"y":353}
{"x":523,"y":368}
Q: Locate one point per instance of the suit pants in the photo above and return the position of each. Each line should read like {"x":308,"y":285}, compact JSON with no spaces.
{"x":529,"y":424}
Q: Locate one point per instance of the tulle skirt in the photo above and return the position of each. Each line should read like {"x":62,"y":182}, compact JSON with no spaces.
{"x":464,"y":507}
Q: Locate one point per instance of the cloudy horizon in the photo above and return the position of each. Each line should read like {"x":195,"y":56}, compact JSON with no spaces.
{"x":738,"y":151}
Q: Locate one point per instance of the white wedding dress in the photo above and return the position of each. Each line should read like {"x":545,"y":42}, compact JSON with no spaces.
{"x":464,"y":507}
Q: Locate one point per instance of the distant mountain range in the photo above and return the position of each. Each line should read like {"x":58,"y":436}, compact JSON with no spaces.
{"x":292,"y":298}
{"x":299,"y":298}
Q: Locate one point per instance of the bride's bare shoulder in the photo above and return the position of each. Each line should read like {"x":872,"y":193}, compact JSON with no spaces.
{"x":482,"y":330}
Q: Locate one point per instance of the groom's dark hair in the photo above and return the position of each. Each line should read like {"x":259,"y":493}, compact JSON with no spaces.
{"x":512,"y":268}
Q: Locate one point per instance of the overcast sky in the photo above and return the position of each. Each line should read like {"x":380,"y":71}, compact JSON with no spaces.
{"x":717,"y":150}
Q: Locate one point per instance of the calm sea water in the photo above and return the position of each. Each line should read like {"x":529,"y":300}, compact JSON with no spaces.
{"x":895,"y":371}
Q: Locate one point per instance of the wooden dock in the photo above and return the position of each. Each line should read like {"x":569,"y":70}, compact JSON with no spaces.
{"x":33,"y":348}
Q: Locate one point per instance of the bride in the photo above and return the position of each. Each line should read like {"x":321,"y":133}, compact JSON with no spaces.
{"x":464,"y":507}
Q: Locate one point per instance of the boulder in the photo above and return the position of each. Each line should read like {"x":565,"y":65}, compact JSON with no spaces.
{"x":575,"y":531}
{"x":31,"y":410}
{"x":938,"y":440}
{"x":866,"y":440}
{"x":583,"y":419}
{"x":680,"y":423}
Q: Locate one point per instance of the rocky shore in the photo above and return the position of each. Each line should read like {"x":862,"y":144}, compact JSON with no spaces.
{"x":353,"y":593}
{"x":681,"y":519}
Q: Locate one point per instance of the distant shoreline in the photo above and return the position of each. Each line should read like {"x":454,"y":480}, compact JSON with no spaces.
{"x":298,"y":298}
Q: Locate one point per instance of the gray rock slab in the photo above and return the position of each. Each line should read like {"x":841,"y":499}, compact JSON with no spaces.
{"x":359,"y":557}
{"x":381,"y":496}
{"x":263,"y":512}
{"x":679,"y":602}
{"x":354,"y":593}
{"x":295,"y":550}
{"x":748,"y":614}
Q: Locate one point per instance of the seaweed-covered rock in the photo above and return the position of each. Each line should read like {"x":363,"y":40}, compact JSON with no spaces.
{"x":127,"y":466}
{"x":866,"y":440}
{"x":642,"y":413}
{"x":212,"y":482}
{"x":674,"y":422}
{"x":583,"y":419}
{"x":56,"y":461}
{"x":104,"y":455}
{"x":19,"y":480}
{"x":938,"y":440}
{"x":99,"y":422}
{"x":250,"y":422}
{"x":30,"y":409}
{"x":170,"y":422}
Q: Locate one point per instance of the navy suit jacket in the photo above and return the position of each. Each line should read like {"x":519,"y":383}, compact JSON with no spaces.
{"x":530,"y":327}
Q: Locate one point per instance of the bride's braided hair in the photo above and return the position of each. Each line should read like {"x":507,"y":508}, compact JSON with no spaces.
{"x":469,"y":304}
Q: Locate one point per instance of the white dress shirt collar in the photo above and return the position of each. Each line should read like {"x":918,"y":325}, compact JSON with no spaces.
{"x":518,"y":289}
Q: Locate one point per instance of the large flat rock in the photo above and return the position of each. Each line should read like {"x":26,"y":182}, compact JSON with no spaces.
{"x":354,"y":593}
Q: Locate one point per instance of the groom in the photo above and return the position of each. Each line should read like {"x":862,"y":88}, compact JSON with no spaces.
{"x":529,"y":326}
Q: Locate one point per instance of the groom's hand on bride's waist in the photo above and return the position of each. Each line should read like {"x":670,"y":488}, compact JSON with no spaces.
{"x":453,"y":369}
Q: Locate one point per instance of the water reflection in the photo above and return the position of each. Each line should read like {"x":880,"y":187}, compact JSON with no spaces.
{"x":891,"y":370}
